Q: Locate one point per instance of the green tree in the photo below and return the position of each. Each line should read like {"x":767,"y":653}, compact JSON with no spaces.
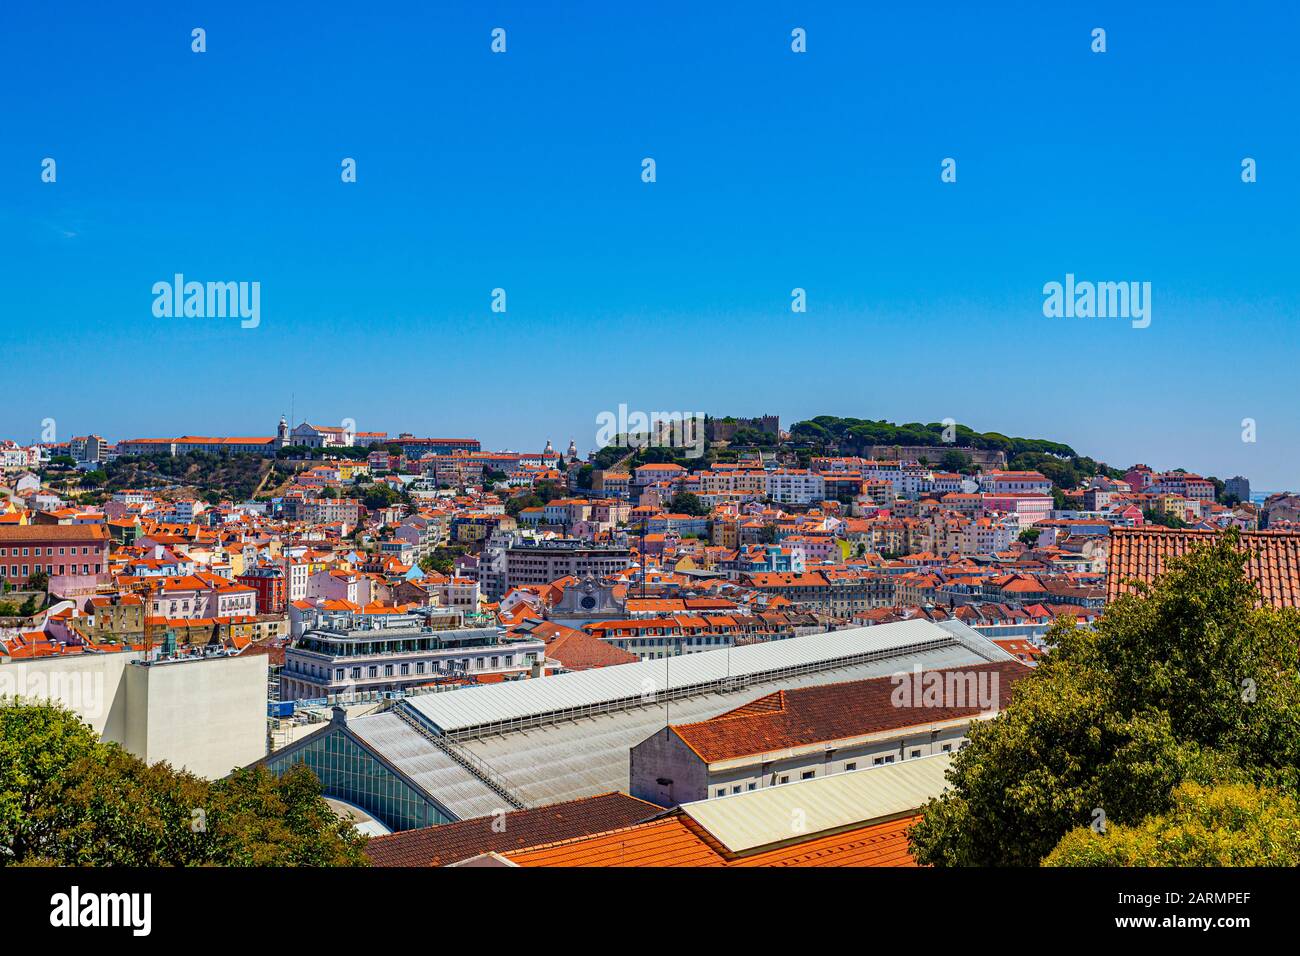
{"x":39,"y":580}
{"x":684,"y":502}
{"x":1185,"y":680}
{"x":1163,"y":518}
{"x":379,"y":496}
{"x":1224,"y":825}
{"x":520,"y":502}
{"x":954,"y":460}
{"x":68,"y":799}
{"x":259,"y":819}
{"x":1029,"y":536}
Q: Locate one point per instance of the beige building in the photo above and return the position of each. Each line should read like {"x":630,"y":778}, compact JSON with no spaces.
{"x":204,"y":714}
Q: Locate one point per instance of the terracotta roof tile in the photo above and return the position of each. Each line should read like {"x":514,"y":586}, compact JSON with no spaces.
{"x":1139,"y":554}
{"x":453,"y":842}
{"x":810,"y":715}
{"x":677,"y":841}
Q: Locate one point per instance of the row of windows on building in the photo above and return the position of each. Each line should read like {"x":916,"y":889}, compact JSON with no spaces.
{"x":418,"y":668}
{"x":14,"y":572}
{"x":49,"y":552}
{"x":878,"y":761}
{"x":630,"y":642}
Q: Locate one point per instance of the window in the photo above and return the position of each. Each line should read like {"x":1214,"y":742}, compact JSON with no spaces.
{"x":785,"y":778}
{"x":807,"y":774}
{"x":356,"y":673}
{"x":851,"y":766}
{"x":751,"y":786}
{"x":338,"y":673}
{"x":915,"y":754}
{"x":722,"y":792}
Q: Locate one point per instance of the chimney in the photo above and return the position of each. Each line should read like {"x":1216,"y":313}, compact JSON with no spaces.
{"x":537,"y":670}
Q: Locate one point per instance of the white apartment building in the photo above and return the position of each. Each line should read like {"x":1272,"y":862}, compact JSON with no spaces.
{"x":795,"y":486}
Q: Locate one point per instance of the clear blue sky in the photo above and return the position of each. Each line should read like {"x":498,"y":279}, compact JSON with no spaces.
{"x":775,"y":170}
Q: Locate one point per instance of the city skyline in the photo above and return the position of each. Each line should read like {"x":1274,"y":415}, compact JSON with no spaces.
{"x":775,"y":170}
{"x":709,"y":436}
{"x":560,"y":440}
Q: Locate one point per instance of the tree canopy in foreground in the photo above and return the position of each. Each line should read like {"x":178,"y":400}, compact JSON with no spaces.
{"x":1225,"y":825}
{"x":69,"y":799}
{"x":1187,"y":681}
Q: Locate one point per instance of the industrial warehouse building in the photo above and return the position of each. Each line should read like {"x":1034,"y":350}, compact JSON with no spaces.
{"x":812,"y":732}
{"x":859,"y":818}
{"x":472,"y":752}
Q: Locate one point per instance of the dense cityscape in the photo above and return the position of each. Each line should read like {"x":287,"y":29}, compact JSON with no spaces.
{"x":341,"y":550}
{"x":570,"y":643}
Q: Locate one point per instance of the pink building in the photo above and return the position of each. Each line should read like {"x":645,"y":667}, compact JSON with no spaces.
{"x":1029,"y":508}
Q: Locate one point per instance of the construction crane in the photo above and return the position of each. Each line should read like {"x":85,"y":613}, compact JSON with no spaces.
{"x":145,"y":590}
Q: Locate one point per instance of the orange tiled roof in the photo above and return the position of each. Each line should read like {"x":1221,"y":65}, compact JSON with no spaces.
{"x":578,"y":650}
{"x":453,"y":842}
{"x":1139,"y":554}
{"x":811,"y":715}
{"x":678,"y":841}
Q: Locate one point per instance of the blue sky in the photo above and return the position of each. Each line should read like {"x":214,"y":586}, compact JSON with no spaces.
{"x":775,"y":171}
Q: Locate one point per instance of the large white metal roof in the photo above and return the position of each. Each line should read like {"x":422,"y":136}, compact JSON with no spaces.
{"x":758,"y":818}
{"x":515,"y":701}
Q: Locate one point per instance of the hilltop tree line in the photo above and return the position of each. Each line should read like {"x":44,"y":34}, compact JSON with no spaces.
{"x":857,"y":435}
